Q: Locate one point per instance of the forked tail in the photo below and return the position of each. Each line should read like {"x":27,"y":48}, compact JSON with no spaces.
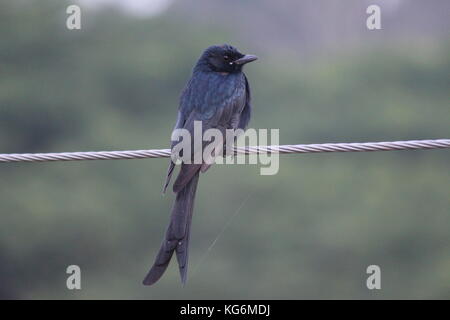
{"x":177,"y":235}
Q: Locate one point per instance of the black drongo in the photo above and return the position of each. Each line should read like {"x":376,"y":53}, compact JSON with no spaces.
{"x":218,"y":95}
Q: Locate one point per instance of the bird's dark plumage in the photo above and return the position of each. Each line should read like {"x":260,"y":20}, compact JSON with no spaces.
{"x":218,"y":95}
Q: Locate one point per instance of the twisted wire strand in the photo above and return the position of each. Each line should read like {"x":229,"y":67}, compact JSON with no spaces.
{"x":282,"y":149}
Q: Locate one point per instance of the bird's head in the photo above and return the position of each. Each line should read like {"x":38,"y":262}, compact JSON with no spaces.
{"x":223,"y":58}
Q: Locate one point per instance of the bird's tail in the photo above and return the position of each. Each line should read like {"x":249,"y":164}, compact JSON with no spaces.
{"x":177,"y":235}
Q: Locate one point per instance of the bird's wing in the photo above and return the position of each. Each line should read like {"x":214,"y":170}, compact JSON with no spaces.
{"x":190,"y":109}
{"x":246,"y":112}
{"x":214,"y":102}
{"x":188,"y":171}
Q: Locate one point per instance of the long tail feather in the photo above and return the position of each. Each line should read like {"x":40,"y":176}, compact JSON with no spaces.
{"x":177,"y":235}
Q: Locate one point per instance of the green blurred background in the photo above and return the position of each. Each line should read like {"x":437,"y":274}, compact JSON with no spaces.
{"x":308,"y":232}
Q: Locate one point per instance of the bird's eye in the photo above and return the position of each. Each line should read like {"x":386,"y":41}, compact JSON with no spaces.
{"x":226,"y":57}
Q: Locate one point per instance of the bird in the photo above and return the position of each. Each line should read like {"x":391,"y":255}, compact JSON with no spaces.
{"x":218,"y":95}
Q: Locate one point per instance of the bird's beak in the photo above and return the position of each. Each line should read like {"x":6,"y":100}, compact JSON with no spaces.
{"x":246,"y":59}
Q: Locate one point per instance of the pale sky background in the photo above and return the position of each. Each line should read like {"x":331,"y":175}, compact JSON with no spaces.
{"x":152,"y":7}
{"x":137,"y":7}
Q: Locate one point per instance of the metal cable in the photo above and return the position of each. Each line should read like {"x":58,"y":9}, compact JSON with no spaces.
{"x":283,"y":149}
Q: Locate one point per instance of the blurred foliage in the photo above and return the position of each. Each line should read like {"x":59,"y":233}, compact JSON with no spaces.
{"x":308,"y":232}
